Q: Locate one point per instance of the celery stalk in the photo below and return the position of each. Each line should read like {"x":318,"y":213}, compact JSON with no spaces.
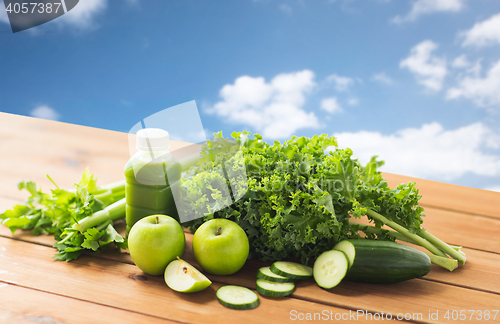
{"x":113,"y":212}
{"x":442,"y":245}
{"x":447,"y":263}
{"x":418,"y":239}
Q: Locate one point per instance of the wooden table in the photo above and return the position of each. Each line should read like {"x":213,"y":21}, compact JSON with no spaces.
{"x":109,"y":288}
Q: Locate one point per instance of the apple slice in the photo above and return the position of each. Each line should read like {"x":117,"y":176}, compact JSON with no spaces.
{"x":183,"y":277}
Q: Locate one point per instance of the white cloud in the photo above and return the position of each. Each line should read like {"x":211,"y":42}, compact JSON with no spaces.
{"x":286,"y":8}
{"x":341,"y":83}
{"x":430,"y":151}
{"x":483,"y":33}
{"x":424,"y":7}
{"x":82,"y":16}
{"x":45,"y":112}
{"x":482,"y":91}
{"x":475,"y":69}
{"x":331,"y":105}
{"x":429,"y":69}
{"x":273,"y":108}
{"x":461,"y":62}
{"x":382,"y":78}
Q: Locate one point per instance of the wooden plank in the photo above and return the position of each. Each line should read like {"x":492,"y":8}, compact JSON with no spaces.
{"x":123,"y":286}
{"x":475,"y":232}
{"x":480,"y":273}
{"x":26,"y":236}
{"x":23,"y":305}
{"x":8,"y":203}
{"x":452,"y":197}
{"x":60,"y":150}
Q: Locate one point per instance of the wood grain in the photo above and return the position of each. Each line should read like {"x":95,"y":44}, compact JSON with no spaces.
{"x":96,"y":280}
{"x":42,"y":307}
{"x":475,"y":232}
{"x":60,"y":150}
{"x":480,"y":273}
{"x":123,"y":286}
{"x":8,"y":203}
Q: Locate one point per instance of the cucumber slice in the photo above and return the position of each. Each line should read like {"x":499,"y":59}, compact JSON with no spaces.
{"x":274,"y":289}
{"x":291,"y":270}
{"x":330,"y":268}
{"x":237,"y":297}
{"x":348,"y":248}
{"x":266,"y":274}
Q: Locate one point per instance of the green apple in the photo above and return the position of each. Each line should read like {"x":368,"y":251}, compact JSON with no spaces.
{"x":183,"y":277}
{"x":220,"y":246}
{"x":155,"y":241}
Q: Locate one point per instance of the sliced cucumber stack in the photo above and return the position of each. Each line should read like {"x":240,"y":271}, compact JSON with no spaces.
{"x":237,"y":297}
{"x":330,"y":268}
{"x":291,"y":270}
{"x":266,"y":274}
{"x":274,"y":289}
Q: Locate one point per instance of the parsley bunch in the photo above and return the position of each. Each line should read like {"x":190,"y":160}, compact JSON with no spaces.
{"x":298,"y":197}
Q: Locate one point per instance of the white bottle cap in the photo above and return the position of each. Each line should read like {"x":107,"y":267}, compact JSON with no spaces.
{"x":152,"y":140}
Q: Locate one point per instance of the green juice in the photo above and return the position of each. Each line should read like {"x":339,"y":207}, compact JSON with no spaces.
{"x":150,"y":178}
{"x":149,"y":192}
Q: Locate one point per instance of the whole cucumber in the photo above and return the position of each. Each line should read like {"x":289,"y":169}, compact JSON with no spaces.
{"x":383,"y":261}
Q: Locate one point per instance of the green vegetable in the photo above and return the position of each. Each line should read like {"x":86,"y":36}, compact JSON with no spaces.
{"x":385,"y":262}
{"x":297,"y":197}
{"x":274,"y":289}
{"x":237,"y":297}
{"x":330,"y":268}
{"x":266,"y":274}
{"x":445,"y":262}
{"x":348,"y":248}
{"x":80,"y":219}
{"x":291,"y":270}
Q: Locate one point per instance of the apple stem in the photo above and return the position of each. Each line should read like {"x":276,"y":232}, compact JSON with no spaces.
{"x":218,"y":231}
{"x":157,"y":220}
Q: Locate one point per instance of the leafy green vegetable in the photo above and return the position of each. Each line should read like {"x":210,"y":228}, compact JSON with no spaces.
{"x":80,"y":219}
{"x":298,"y":197}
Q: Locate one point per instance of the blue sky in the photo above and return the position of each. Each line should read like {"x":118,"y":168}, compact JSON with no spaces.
{"x":416,"y":82}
